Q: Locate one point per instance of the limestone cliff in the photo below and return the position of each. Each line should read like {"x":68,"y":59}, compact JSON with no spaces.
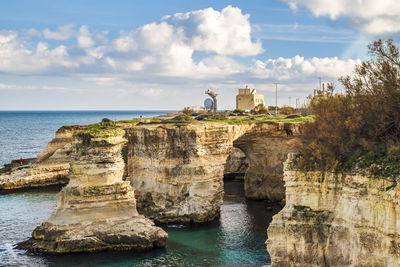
{"x":49,"y":168}
{"x":97,"y":209}
{"x":178,"y":169}
{"x":336,"y":219}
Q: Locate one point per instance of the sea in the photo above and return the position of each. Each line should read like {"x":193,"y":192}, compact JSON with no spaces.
{"x":236,"y":238}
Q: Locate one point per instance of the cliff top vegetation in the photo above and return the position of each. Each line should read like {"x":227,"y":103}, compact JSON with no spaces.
{"x":361,"y":126}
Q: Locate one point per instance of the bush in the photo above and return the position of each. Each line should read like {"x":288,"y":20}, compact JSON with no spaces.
{"x":106,"y":120}
{"x":363,"y":121}
{"x":182,"y":118}
{"x":286,"y":110}
{"x":201,"y":112}
{"x":239,"y":111}
{"x":187,"y":111}
{"x":260,"y":109}
{"x":218,"y":116}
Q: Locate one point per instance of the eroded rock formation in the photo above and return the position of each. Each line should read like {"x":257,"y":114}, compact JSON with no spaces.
{"x":49,"y":168}
{"x":336,"y":219}
{"x":266,"y":147}
{"x":178,"y":169}
{"x":97,"y":209}
{"x":236,"y":164}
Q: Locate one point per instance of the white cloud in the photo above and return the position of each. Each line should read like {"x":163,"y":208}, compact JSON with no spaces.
{"x":370,"y":16}
{"x":227,"y":32}
{"x":182,"y":53}
{"x":62,"y":33}
{"x":16,"y":57}
{"x":84,"y":37}
{"x":300,"y":69}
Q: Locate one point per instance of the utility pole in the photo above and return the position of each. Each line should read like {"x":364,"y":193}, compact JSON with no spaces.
{"x":276,"y":98}
{"x":320,"y":84}
{"x":290,"y":101}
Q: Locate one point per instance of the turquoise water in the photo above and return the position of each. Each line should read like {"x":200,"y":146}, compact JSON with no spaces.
{"x":237,"y":238}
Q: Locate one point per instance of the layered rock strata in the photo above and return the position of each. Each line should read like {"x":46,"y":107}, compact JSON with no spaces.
{"x":48,"y":169}
{"x":178,"y":169}
{"x":336,"y":219}
{"x":266,"y":147}
{"x":97,"y":209}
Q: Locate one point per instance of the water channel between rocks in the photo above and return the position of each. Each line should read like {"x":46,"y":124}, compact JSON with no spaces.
{"x":237,"y":238}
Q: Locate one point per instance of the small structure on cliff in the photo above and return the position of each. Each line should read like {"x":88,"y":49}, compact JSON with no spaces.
{"x":211,"y":105}
{"x":247,"y":99}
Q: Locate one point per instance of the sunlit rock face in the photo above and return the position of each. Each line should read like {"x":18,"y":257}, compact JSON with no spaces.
{"x":336,"y":219}
{"x":178,"y":169}
{"x":97,"y":209}
{"x":49,"y":168}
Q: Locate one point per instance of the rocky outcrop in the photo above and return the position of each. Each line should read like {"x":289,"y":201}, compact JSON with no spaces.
{"x":236,"y":164}
{"x":48,"y":169}
{"x":336,"y":219}
{"x":266,"y":147}
{"x":97,"y":209}
{"x":178,"y":169}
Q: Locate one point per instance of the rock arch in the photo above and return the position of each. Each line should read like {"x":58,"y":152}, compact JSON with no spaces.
{"x":178,"y":170}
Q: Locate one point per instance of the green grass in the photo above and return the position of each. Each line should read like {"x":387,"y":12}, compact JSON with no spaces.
{"x":260,"y":119}
{"x":99,"y":130}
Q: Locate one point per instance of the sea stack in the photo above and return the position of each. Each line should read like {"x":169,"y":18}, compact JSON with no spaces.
{"x":97,"y":209}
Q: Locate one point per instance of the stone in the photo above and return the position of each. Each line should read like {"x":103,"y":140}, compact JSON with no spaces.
{"x":97,"y":209}
{"x":50,"y":168}
{"x":178,"y":169}
{"x":336,"y":219}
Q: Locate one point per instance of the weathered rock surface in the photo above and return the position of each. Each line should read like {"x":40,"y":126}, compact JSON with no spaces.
{"x":178,"y":169}
{"x":266,"y":147}
{"x":48,"y":169}
{"x":236,"y":164}
{"x":336,"y":219}
{"x":97,"y":209}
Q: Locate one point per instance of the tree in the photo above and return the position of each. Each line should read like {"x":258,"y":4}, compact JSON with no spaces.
{"x":363,"y":120}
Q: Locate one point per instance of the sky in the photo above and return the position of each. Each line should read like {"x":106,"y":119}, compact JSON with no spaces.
{"x":163,"y":55}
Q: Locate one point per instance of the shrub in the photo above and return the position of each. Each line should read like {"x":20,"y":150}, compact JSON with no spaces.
{"x":218,"y":116}
{"x":260,"y":109}
{"x":106,"y":120}
{"x":187,"y":111}
{"x":182,"y":118}
{"x":286,"y":110}
{"x":363,"y":121}
{"x":201,"y":112}
{"x":239,"y":111}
